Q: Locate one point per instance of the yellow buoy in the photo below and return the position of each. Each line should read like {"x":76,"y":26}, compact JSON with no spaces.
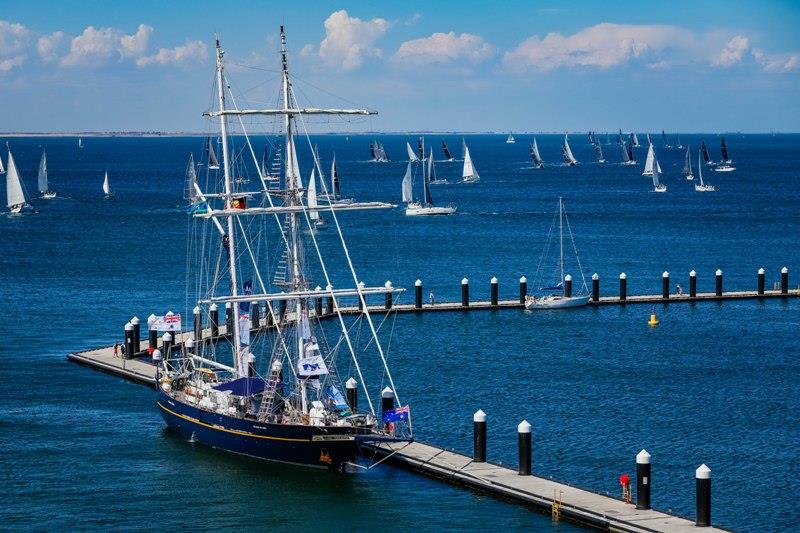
{"x":653,"y":320}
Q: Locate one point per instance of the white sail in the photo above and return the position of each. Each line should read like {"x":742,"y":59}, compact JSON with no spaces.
{"x":700,"y":171}
{"x":106,"y":187}
{"x":537,"y":158}
{"x":407,"y":185}
{"x":43,"y":173}
{"x":191,"y":179}
{"x":292,"y":166}
{"x":648,"y":163}
{"x":568,"y":157}
{"x":469,"y":173}
{"x":2,"y":168}
{"x":14,"y":193}
{"x":312,"y":195}
{"x":412,"y":156}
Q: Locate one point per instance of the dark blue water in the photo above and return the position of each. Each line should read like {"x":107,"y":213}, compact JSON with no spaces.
{"x":714,"y":383}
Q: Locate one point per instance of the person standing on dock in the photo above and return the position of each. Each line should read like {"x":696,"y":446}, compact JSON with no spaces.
{"x":679,"y":290}
{"x":116,"y":349}
{"x":431,"y":299}
{"x":625,"y":481}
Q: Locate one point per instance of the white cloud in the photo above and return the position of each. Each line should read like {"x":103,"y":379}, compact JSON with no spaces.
{"x":191,"y":51}
{"x":48,"y":46}
{"x":443,"y":48}
{"x":732,"y":53}
{"x":776,"y":62}
{"x":348,"y":40}
{"x":136,"y":45}
{"x":13,"y":40}
{"x":603,"y":46}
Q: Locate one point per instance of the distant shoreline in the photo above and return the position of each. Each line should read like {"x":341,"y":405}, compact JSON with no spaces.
{"x":168,"y":134}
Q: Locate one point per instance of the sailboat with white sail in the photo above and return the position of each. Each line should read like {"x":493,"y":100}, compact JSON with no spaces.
{"x":599,"y":151}
{"x":510,"y":139}
{"x":426,"y":206}
{"x":559,"y":293}
{"x":650,"y":162}
{"x":377,"y":151}
{"x":664,"y":139}
{"x":634,"y":140}
{"x":468,"y":174}
{"x":412,"y":155}
{"x":211,"y":156}
{"x":106,"y":186}
{"x":276,"y":395}
{"x":678,"y":143}
{"x":569,"y":159}
{"x":538,"y":162}
{"x":726,"y":159}
{"x":316,"y":219}
{"x":656,"y":173}
{"x":44,"y":188}
{"x":627,"y":154}
{"x":16,"y":197}
{"x":80,"y":142}
{"x":687,"y":164}
{"x":2,"y":168}
{"x":702,"y":186}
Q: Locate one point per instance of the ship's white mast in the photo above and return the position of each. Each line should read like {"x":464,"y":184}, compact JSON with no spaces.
{"x":238,"y":363}
{"x":561,"y":235}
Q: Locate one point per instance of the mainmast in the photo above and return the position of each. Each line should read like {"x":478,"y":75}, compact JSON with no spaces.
{"x":561,"y":235}
{"x":238,"y":363}
{"x":294,"y":197}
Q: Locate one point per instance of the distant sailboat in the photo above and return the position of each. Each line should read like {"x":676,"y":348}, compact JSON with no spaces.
{"x":190,"y":192}
{"x":702,"y":186}
{"x":80,"y":142}
{"x":43,"y":188}
{"x":726,"y":160}
{"x":626,"y":155}
{"x":599,"y":150}
{"x":432,"y":179}
{"x":421,"y":147}
{"x":16,"y":199}
{"x":412,"y":156}
{"x":448,"y":156}
{"x":211,"y":156}
{"x":608,"y":138}
{"x":510,"y":139}
{"x":106,"y":187}
{"x":558,"y":295}
{"x":634,"y":140}
{"x":311,"y":201}
{"x":426,"y":207}
{"x":569,"y":159}
{"x":687,"y":164}
{"x":705,"y":154}
{"x":2,"y":168}
{"x":537,"y":159}
{"x":378,"y":153}
{"x":678,"y":143}
{"x":664,"y":139}
{"x":657,"y":185}
{"x":631,"y":157}
{"x":649,"y":140}
{"x":650,"y":162}
{"x":619,"y":137}
{"x":469,"y":174}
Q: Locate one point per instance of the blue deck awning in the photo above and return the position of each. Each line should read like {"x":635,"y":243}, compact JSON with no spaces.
{"x":243,"y":386}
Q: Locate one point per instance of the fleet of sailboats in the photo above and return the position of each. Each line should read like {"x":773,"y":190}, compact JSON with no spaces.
{"x":425,"y":206}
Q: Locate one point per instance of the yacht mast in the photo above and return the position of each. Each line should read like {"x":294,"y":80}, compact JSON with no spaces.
{"x":294,"y":194}
{"x":561,"y":235}
{"x":238,"y":362}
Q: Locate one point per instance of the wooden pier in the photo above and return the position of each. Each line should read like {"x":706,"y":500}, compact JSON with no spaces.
{"x":561,"y":500}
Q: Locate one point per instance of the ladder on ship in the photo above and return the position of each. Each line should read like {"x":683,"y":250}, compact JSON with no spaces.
{"x":268,"y":398}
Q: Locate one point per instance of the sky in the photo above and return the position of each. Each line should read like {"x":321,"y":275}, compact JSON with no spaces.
{"x":702,"y":65}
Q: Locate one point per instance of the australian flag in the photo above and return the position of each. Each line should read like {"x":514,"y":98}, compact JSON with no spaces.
{"x":397,"y":414}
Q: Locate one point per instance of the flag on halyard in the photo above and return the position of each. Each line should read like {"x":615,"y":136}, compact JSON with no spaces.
{"x":397,"y":414}
{"x":240,"y":203}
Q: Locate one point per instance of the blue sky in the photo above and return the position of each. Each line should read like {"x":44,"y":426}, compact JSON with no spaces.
{"x":446,"y":65}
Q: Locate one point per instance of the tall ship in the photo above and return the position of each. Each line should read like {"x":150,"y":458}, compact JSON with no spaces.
{"x":270,"y":388}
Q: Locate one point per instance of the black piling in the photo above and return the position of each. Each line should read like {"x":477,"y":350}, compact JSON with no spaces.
{"x":643,"y":480}
{"x":128,"y":340}
{"x":137,"y":335}
{"x":693,"y":284}
{"x":318,"y":302}
{"x":330,"y":301}
{"x":665,"y":285}
{"x":255,"y":315}
{"x":197,"y":313}
{"x":761,"y":280}
{"x":718,"y":291}
{"x":595,"y":287}
{"x":152,"y":335}
{"x":387,"y":298}
{"x":784,"y":280}
{"x":418,"y":294}
{"x":465,"y":292}
{"x":623,"y":287}
{"x":523,"y":289}
{"x":352,"y":394}
{"x":568,"y":285}
{"x":228,"y":318}
{"x":493,"y":291}
{"x":479,"y":437}
{"x":703,"y":486}
{"x":387,"y":401}
{"x":213,"y":313}
{"x":524,"y":440}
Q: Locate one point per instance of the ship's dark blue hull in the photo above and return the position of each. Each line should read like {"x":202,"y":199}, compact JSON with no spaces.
{"x":316,"y":446}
